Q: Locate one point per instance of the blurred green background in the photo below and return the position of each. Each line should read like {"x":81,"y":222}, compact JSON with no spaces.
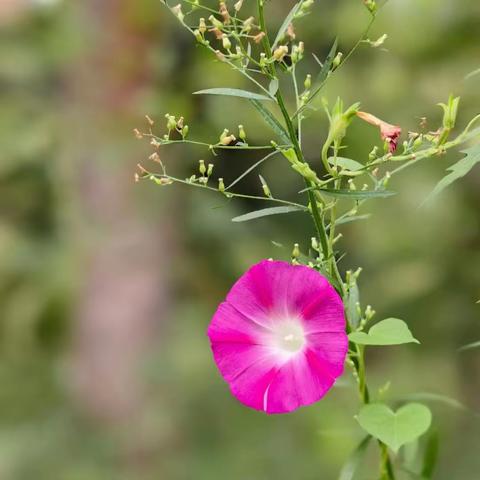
{"x":106,"y":287}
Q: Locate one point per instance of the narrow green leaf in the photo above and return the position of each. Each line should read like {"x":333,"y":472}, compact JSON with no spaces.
{"x":351,"y":466}
{"x":271,"y":121}
{"x":395,"y":429}
{"x":265,"y":212}
{"x":471,"y":135}
{"x":233,"y":92}
{"x":321,"y":77}
{"x":469,"y":346}
{"x":356,"y":194}
{"x":347,"y":163}
{"x":472,"y":74}
{"x":253,"y":167}
{"x":391,"y":331}
{"x":273,"y":87}
{"x":457,"y":170}
{"x":285,"y":24}
{"x":430,"y":456}
{"x":327,"y":64}
{"x":353,"y":218}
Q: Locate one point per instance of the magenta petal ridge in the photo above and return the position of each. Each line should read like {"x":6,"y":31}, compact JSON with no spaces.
{"x":279,"y":338}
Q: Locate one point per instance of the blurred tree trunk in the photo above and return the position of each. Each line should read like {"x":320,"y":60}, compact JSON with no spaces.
{"x":123,"y":293}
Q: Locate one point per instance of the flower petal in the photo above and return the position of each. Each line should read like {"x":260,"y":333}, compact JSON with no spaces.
{"x":249,"y":369}
{"x":331,"y":348}
{"x":303,"y":380}
{"x":230,"y":325}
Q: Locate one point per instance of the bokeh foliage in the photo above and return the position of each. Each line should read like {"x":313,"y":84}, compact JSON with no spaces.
{"x":420,"y":264}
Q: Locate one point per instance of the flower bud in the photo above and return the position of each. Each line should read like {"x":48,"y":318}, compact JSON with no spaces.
{"x":137,"y":133}
{"x":371,"y":6}
{"x":296,"y":251}
{"x":241,"y":133}
{"x":227,"y":140}
{"x":340,"y":120}
{"x":220,"y":55}
{"x":202,"y":26}
{"x":171,"y":122}
{"x":215,"y":22}
{"x":337,"y":60}
{"x":177,"y":11}
{"x":259,"y":37}
{"x":227,"y":45}
{"x":373,"y":154}
{"x":266,"y":189}
{"x":369,"y":313}
{"x":450,"y":110}
{"x":154,"y":157}
{"x":184,"y":131}
{"x":308,"y":82}
{"x":380,"y":41}
{"x":201,"y":168}
{"x":263,"y":60}
{"x":221,"y":185}
{"x":198,"y":36}
{"x":161,"y":181}
{"x":238,"y":5}
{"x":238,"y":53}
{"x":418,"y":142}
{"x":314,"y":243}
{"x":248,"y":24}
{"x":224,"y":12}
{"x":280,"y":53}
{"x":223,"y":135}
{"x":306,"y":4}
{"x":291,"y":32}
{"x":210,"y":169}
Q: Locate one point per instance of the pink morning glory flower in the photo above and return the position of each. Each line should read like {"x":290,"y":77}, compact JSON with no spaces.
{"x":279,"y":338}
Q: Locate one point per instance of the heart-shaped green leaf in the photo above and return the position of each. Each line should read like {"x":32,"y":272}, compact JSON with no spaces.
{"x":391,"y":331}
{"x":395,"y":428}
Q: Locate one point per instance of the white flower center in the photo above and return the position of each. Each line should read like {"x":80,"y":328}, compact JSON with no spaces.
{"x":289,"y":336}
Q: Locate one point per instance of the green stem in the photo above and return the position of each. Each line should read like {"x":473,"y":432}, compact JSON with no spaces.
{"x":316,"y":215}
{"x":226,"y":194}
{"x":297,"y":101}
{"x":214,"y":145}
{"x":358,"y":360}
